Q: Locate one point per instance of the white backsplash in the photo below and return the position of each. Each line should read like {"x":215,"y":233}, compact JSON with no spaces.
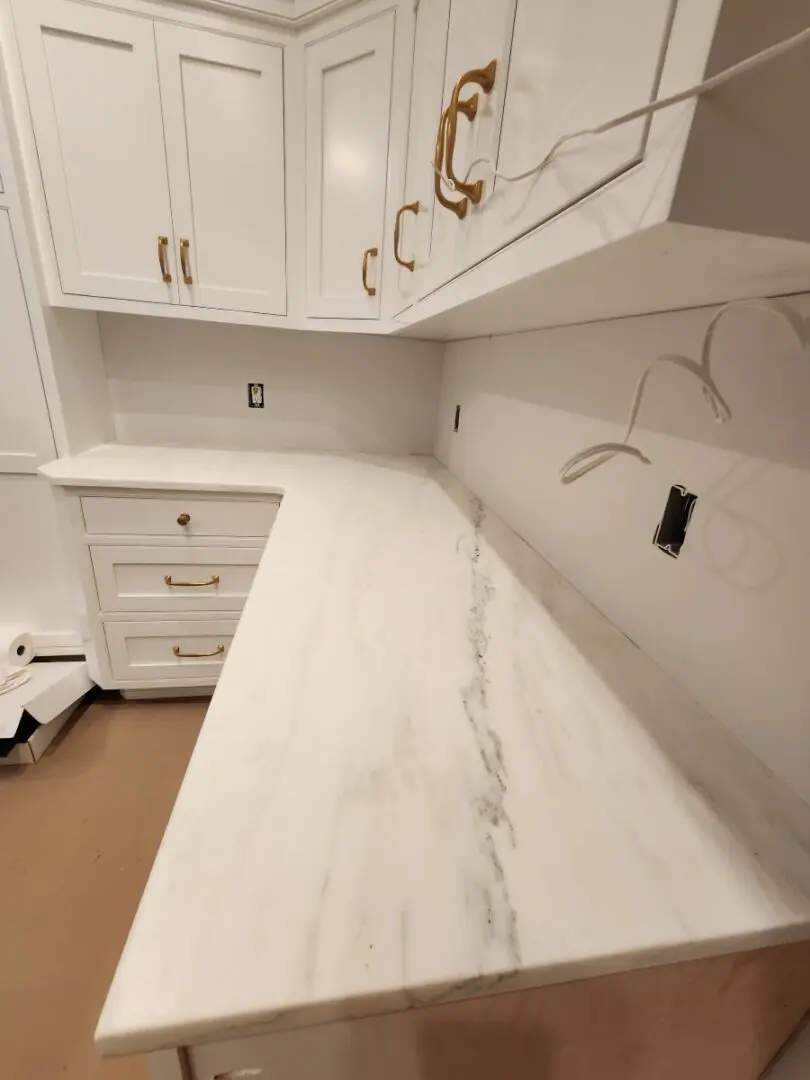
{"x":730,"y":619}
{"x":185,"y":384}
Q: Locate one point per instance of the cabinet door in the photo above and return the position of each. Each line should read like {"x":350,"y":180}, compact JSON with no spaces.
{"x":26,"y":440}
{"x":93,"y":89}
{"x":427,"y":85}
{"x":480,"y":31}
{"x":223,"y":109}
{"x":574,"y":64}
{"x":348,"y":96}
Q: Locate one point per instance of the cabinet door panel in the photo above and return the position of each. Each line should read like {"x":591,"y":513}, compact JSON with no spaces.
{"x":26,"y":440}
{"x":479,"y":31}
{"x":429,"y":56}
{"x":223,"y":106}
{"x":93,"y":89}
{"x":574,"y":64}
{"x":348,"y":95}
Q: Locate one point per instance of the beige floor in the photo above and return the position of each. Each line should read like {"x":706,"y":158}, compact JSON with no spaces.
{"x":80,"y":830}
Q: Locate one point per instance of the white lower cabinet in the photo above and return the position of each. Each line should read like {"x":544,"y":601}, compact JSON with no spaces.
{"x":347,"y":104}
{"x":186,"y":517}
{"x":178,"y":650}
{"x":166,"y":575}
{"x":172,"y":579}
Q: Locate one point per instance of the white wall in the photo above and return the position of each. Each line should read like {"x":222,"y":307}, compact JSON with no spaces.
{"x":731,"y":617}
{"x":185,"y":383}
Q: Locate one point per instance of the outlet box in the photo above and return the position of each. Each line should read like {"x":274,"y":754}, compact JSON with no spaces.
{"x":256,"y":395}
{"x":671,"y":531}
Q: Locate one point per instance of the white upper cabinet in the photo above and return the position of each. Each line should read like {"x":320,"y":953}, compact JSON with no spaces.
{"x":223,"y":109}
{"x":573,"y":65}
{"x":375,"y":163}
{"x":476,"y":65}
{"x":413,"y":220}
{"x":92,"y":83}
{"x":348,"y":102}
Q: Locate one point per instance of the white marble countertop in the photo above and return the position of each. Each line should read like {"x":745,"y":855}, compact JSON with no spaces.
{"x":430,"y":770}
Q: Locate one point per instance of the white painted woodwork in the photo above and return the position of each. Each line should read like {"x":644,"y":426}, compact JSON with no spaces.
{"x":573,"y":65}
{"x":223,"y":111}
{"x":37,"y":583}
{"x":348,"y":97}
{"x":114,"y":515}
{"x":26,"y":439}
{"x":144,"y":650}
{"x":93,"y":90}
{"x":133,"y":578}
{"x":479,"y":31}
{"x":427,"y":86}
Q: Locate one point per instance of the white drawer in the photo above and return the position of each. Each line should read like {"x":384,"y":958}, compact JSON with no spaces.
{"x":173,"y":579}
{"x":111,"y":515}
{"x":162,"y":650}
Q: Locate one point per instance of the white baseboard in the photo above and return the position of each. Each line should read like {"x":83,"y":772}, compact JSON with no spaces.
{"x":58,"y":643}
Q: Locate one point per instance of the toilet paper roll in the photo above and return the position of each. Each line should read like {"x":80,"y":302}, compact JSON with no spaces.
{"x":16,"y":646}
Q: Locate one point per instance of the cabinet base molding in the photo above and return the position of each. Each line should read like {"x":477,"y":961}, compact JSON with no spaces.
{"x":722,"y":1018}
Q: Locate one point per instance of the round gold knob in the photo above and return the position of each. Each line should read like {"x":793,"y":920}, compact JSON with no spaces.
{"x":183,"y":519}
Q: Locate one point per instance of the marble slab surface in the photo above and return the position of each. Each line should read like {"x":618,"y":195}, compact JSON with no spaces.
{"x":430,"y":770}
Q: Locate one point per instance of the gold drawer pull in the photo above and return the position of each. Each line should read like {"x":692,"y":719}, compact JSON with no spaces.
{"x":459,"y":208}
{"x":413,"y":208}
{"x":184,"y":263}
{"x":218,"y":651}
{"x":369,"y":288}
{"x":183,"y":519}
{"x":163,"y":244}
{"x":485,"y":78}
{"x":191,"y":584}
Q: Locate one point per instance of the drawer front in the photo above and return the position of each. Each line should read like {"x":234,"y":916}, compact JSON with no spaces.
{"x":181,"y":650}
{"x":173,"y":579}
{"x":177,"y":515}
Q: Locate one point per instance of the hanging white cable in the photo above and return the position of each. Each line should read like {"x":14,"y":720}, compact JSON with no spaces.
{"x":765,"y":56}
{"x":582,"y":463}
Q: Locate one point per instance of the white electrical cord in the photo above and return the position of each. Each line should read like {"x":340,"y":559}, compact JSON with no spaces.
{"x":773,"y":52}
{"x":581,"y":463}
{"x":16,"y":677}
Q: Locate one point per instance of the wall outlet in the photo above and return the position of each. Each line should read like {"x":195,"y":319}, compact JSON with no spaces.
{"x":671,"y":530}
{"x":256,"y":395}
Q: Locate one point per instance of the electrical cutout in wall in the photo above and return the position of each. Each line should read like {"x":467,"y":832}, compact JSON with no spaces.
{"x":256,"y":395}
{"x":457,"y":419}
{"x":671,"y":531}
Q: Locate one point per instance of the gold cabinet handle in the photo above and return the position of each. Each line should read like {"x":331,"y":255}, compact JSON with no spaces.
{"x":183,"y":519}
{"x":218,"y":651}
{"x":191,"y":584}
{"x":163,"y":246}
{"x":485,"y":78}
{"x":412,"y":208}
{"x":459,"y":208}
{"x":184,"y":262}
{"x":369,"y":288}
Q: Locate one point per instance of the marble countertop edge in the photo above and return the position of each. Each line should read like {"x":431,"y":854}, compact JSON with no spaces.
{"x":294,"y":1017}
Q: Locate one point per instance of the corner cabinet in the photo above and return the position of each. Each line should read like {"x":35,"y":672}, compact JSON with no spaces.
{"x":348,"y":104}
{"x":161,"y":149}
